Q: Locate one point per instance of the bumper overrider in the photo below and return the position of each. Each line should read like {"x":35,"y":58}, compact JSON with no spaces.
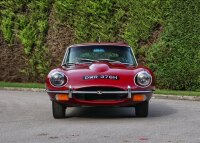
{"x":69,"y":97}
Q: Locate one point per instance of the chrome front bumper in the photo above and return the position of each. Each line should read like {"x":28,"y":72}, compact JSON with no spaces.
{"x":128,"y":91}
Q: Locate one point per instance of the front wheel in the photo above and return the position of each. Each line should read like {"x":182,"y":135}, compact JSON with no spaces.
{"x":141,"y":110}
{"x":58,"y":110}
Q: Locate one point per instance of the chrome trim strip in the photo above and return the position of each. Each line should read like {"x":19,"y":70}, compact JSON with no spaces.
{"x":65,"y":56}
{"x":103,"y":92}
{"x":56,"y":91}
{"x":145,"y":91}
{"x":70,"y":91}
{"x":133,"y":55}
{"x":129,"y":91}
{"x":93,"y":92}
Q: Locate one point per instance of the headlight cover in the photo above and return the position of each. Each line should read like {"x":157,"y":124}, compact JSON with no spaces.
{"x":58,"y":79}
{"x":143,"y":78}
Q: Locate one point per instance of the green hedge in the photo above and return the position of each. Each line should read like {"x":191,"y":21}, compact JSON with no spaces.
{"x":27,"y":22}
{"x":176,"y":56}
{"x":111,"y":20}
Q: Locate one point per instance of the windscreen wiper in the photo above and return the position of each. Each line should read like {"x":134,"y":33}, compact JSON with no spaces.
{"x":76,"y":63}
{"x":87,"y":60}
{"x":109,"y":60}
{"x":113,"y":61}
{"x":68,"y":64}
{"x":72,"y":64}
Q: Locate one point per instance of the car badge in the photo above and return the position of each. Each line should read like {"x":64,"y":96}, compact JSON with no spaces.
{"x":99,"y":92}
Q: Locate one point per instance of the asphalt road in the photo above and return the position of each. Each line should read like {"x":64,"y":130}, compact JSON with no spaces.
{"x":25,"y":117}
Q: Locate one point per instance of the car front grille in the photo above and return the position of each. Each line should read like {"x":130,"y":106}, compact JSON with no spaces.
{"x":98,"y":93}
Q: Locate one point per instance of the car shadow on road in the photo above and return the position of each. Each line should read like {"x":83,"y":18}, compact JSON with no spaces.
{"x":155,"y":110}
{"x":160,"y":109}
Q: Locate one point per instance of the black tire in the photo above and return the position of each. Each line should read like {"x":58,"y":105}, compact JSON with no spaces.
{"x":142,"y":109}
{"x":58,"y":110}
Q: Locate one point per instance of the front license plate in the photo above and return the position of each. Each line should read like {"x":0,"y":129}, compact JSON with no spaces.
{"x":111,"y":77}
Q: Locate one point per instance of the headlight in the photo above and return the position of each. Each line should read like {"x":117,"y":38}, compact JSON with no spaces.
{"x":143,"y":78}
{"x":58,"y":79}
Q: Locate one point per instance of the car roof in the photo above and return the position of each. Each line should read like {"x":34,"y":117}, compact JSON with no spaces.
{"x":100,"y":43}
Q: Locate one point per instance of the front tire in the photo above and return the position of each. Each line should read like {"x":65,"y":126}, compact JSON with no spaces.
{"x":142,"y":109}
{"x":58,"y":110}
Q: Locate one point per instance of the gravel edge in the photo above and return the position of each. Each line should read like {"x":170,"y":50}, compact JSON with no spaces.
{"x":156,"y":96}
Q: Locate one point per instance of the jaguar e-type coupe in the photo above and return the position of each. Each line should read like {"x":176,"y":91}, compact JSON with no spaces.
{"x":100,"y":74}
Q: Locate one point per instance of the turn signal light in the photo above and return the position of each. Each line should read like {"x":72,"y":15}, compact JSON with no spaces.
{"x":62,"y":97}
{"x":138,"y":97}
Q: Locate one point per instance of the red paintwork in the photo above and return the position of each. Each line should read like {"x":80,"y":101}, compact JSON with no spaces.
{"x":75,"y":79}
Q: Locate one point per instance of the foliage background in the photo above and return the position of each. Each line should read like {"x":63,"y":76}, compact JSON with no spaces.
{"x":165,"y":35}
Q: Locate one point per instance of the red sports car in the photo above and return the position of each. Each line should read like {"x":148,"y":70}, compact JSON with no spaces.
{"x":100,"y":74}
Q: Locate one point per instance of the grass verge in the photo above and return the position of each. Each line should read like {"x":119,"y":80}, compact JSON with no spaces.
{"x":42,"y":86}
{"x":175,"y":92}
{"x":21,"y":85}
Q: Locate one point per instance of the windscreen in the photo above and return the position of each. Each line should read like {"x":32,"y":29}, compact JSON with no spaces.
{"x":113,"y":53}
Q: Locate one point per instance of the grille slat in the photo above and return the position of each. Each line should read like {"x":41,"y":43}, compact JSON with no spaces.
{"x":102,"y":96}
